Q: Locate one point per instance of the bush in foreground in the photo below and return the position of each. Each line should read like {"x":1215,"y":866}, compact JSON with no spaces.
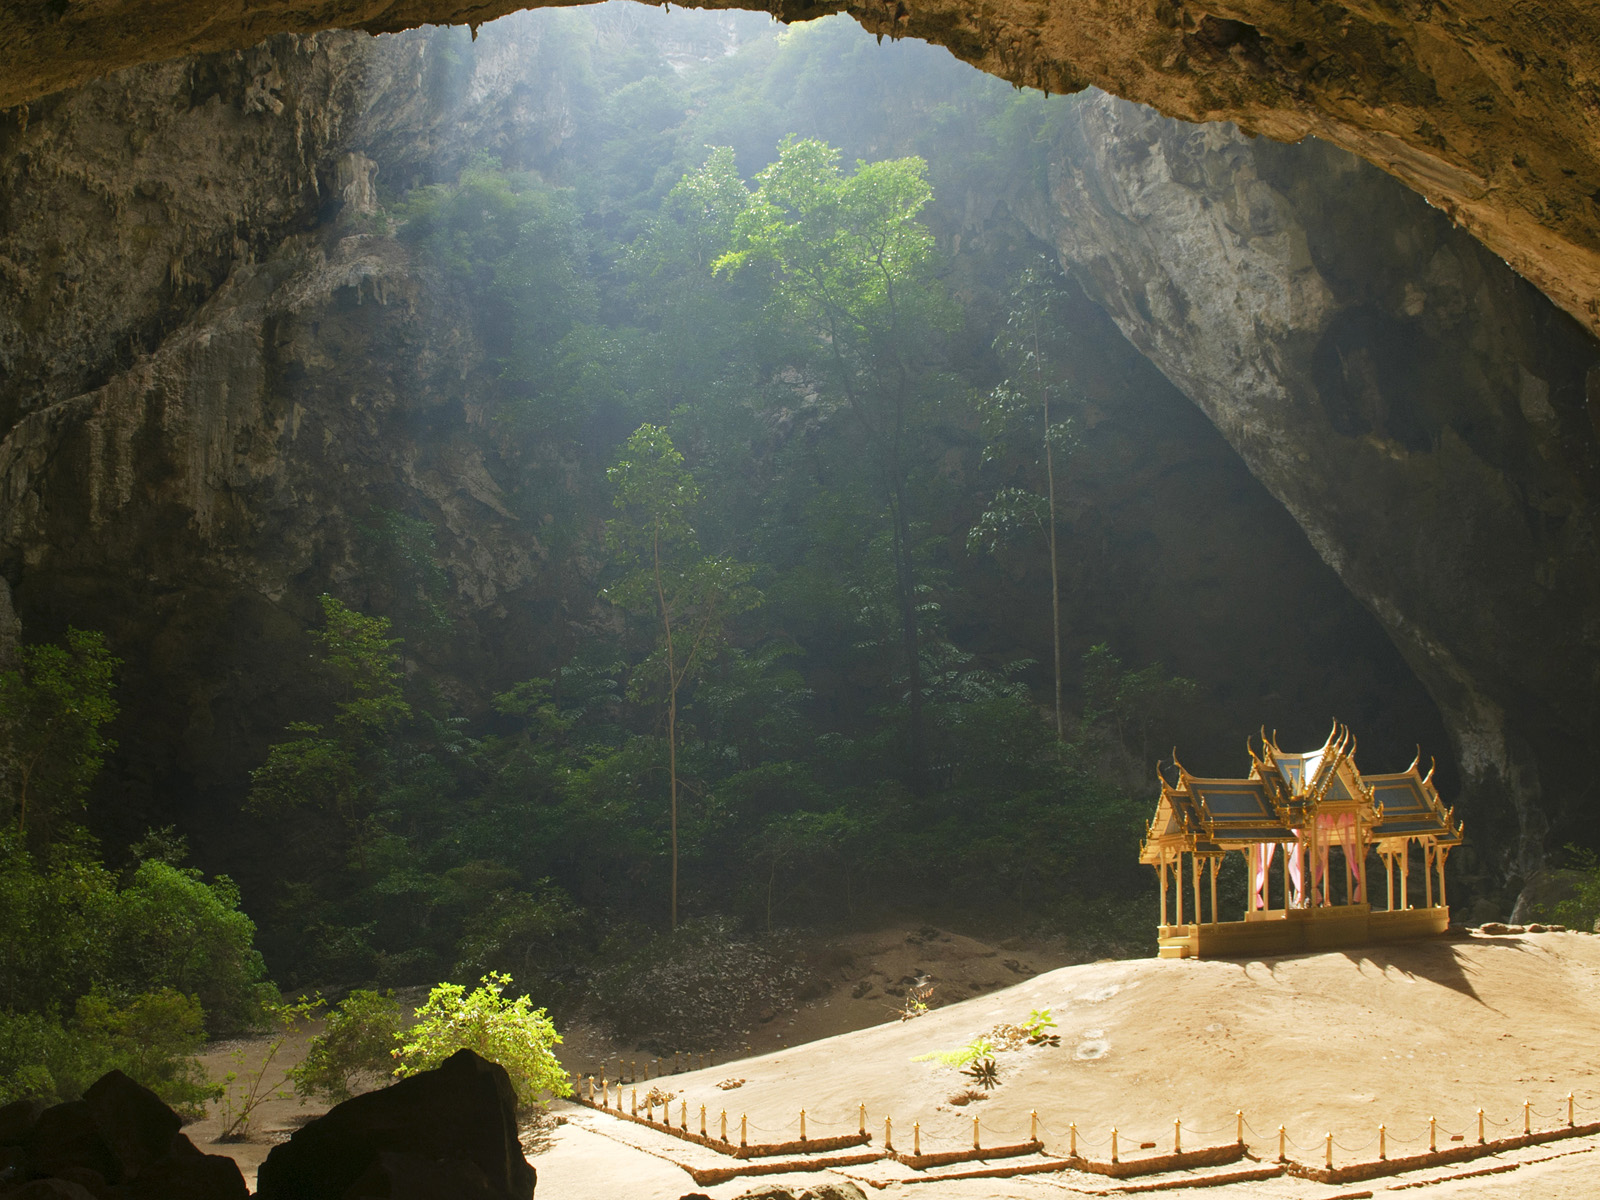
{"x":513,"y":1033}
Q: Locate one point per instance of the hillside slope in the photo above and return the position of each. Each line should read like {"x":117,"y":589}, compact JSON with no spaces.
{"x":1331,"y":1042}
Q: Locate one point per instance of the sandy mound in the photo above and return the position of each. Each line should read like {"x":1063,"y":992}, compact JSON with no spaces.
{"x":1330,"y":1042}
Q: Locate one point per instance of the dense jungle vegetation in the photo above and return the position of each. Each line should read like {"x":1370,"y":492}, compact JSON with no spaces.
{"x":728,"y":330}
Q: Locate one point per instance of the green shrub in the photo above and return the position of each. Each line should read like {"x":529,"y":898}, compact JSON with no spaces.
{"x":1581,"y":909}
{"x":152,"y":1038}
{"x":59,"y":913}
{"x":512,"y":1033}
{"x":979,"y":1048}
{"x":358,"y":1041}
{"x":174,"y":930}
{"x":34,"y":1050}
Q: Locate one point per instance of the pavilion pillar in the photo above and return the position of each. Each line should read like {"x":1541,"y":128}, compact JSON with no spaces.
{"x":1403,"y":861}
{"x":1361,"y":862}
{"x":1288,"y":848}
{"x":1214,"y":861}
{"x":1427,"y":874}
{"x":1163,"y":872}
{"x":1177,"y":879}
{"x":1311,"y":861}
{"x":1194,"y":874}
{"x":1439,"y":856}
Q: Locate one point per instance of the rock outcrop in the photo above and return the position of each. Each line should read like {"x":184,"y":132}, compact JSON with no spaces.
{"x":449,"y":1132}
{"x":215,"y":369}
{"x":119,"y":1142}
{"x":1423,"y":414}
{"x":215,"y":363}
{"x":1490,"y":111}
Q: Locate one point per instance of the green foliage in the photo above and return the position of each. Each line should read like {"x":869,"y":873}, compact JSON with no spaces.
{"x":977,"y":1049}
{"x":177,"y":931}
{"x":39,"y":1059}
{"x":1130,"y":702}
{"x":511,"y":1032}
{"x":152,"y":1037}
{"x":1038,"y":1025}
{"x":525,"y":930}
{"x":340,"y":772}
{"x":72,"y":930}
{"x":246,"y":1088}
{"x":52,"y":710}
{"x":61,"y":921}
{"x":1581,"y":910}
{"x":691,"y":595}
{"x":357,"y":1043}
{"x":840,"y":245}
{"x":778,"y":377}
{"x":404,"y":556}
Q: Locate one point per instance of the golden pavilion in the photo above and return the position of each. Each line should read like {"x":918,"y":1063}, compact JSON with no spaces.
{"x":1325,"y":820}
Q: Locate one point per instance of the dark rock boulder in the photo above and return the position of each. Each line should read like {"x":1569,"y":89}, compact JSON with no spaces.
{"x":185,"y":1172}
{"x":51,"y":1189}
{"x":462,"y":1114}
{"x":66,"y":1136}
{"x":17,"y":1119}
{"x":132,"y":1122}
{"x":412,"y":1177}
{"x":120,"y":1142}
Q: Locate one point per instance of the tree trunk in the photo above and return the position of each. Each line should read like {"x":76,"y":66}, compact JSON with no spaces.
{"x":1055,"y":576}
{"x":672,"y":717}
{"x":906,"y":585}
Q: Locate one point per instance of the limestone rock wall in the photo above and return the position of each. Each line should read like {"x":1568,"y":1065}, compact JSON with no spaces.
{"x":1424,"y":415}
{"x":216,"y":365}
{"x":1490,"y":110}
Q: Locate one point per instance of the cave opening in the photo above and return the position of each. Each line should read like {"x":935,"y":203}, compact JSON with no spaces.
{"x":595,"y":484}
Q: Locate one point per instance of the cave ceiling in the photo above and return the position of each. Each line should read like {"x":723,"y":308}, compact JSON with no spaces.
{"x":1490,"y":110}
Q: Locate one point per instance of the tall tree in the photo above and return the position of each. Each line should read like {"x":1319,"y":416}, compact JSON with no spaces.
{"x":691,"y":594}
{"x":52,"y":710}
{"x":341,"y":770}
{"x":1017,"y":421}
{"x":853,"y":265}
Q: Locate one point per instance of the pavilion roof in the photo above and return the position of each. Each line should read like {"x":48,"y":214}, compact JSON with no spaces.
{"x":1285,"y":792}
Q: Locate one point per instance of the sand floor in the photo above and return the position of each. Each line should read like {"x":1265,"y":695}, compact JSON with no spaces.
{"x":1335,"y":1042}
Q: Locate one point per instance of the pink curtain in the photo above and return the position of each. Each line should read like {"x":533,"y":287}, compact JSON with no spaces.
{"x":1358,"y":867}
{"x":1296,"y":879}
{"x":1344,"y":828}
{"x":1261,"y":856}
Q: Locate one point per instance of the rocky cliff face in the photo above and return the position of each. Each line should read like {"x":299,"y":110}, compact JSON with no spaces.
{"x":1490,"y":110}
{"x":218,"y":365}
{"x":215,"y":364}
{"x":1423,"y":413}
{"x":215,"y":369}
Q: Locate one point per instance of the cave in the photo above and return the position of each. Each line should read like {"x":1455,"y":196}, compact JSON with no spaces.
{"x":349,"y":314}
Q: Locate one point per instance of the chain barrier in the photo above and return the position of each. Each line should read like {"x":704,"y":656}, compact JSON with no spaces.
{"x":1255,"y":1131}
{"x":1067,"y":1135}
{"x":1372,"y":1141}
{"x":610,"y":1095}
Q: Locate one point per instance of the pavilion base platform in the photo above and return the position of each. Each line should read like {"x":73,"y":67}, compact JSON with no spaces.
{"x":1301,"y":929}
